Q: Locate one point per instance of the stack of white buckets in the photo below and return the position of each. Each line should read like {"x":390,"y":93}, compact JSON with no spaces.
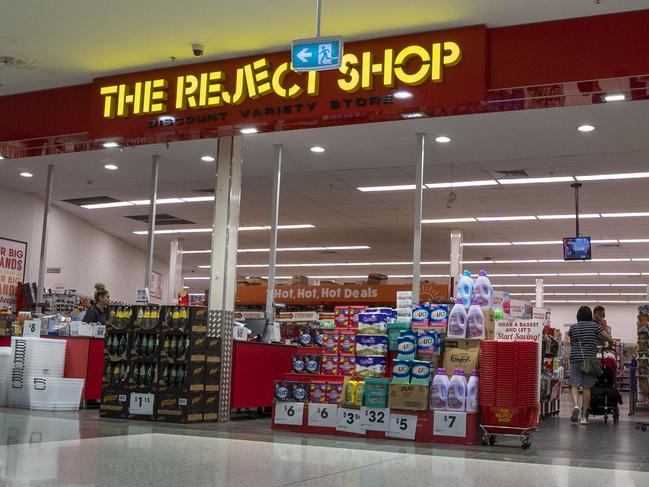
{"x":32,"y":377}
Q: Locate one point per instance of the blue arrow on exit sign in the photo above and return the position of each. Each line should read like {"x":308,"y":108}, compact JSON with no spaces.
{"x":317,"y":54}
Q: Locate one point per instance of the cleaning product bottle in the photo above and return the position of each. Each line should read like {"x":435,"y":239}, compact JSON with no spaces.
{"x":456,"y":398}
{"x":457,"y":320}
{"x":475,"y":321}
{"x":439,"y":390}
{"x":483,"y":291}
{"x":465,"y":287}
{"x":472,"y":394}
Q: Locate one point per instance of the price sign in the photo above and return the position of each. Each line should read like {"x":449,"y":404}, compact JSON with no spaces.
{"x":32,"y":328}
{"x":100,"y":331}
{"x":402,"y":426}
{"x":375,"y":419}
{"x":323,"y":415}
{"x":349,"y":420}
{"x":448,"y":423}
{"x":141,"y":403}
{"x":289,"y":413}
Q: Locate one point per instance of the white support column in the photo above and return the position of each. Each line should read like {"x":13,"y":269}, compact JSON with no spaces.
{"x":457,"y":257}
{"x":223,"y":260}
{"x":272,"y":257}
{"x":175,"y":270}
{"x":47,"y":204}
{"x":539,"y":293}
{"x":419,"y":197}
{"x":152,"y":216}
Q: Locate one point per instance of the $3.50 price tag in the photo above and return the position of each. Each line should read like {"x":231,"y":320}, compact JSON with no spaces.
{"x":402,"y":426}
{"x":375,"y":419}
{"x":141,"y":403}
{"x":289,"y":413}
{"x":349,"y":420}
{"x":323,"y":415}
{"x":448,"y":423}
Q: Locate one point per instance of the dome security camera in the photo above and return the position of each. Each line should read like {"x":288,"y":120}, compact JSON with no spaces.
{"x":198,"y":49}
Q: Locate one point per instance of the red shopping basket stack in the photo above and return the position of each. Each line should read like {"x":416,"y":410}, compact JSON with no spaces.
{"x":509,"y":384}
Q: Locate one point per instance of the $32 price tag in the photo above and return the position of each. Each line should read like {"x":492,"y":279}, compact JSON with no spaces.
{"x":402,"y":426}
{"x":375,"y":419}
{"x":349,"y":420}
{"x":447,"y":423}
{"x":323,"y":415}
{"x":289,"y":413}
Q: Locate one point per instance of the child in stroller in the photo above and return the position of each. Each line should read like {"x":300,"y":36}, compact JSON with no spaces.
{"x":605,"y":399}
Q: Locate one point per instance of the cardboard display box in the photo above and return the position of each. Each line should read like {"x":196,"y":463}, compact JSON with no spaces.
{"x":114,"y":403}
{"x":187,"y":408}
{"x":461,"y":354}
{"x":409,"y":397}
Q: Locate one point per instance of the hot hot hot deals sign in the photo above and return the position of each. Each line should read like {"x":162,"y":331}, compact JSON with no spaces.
{"x":13,"y":257}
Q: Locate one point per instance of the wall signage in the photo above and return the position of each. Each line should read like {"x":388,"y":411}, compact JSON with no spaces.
{"x":13,"y":259}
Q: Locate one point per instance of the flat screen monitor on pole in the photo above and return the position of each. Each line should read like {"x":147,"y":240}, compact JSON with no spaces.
{"x":576,"y":248}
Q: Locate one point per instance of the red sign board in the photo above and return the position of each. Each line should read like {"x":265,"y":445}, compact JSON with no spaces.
{"x":440,"y":70}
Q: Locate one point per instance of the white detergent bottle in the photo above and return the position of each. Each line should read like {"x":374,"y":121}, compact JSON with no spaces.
{"x":483,"y":291}
{"x":439,"y":391}
{"x":475,"y":321}
{"x":473,"y":394}
{"x":457,"y":319}
{"x":465,"y":288}
{"x":456,"y":397}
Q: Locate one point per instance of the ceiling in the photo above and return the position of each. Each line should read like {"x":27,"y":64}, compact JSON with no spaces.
{"x":78,"y":40}
{"x":321,"y":189}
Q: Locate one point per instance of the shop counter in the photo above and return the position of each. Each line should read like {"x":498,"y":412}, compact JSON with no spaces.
{"x":255,"y":368}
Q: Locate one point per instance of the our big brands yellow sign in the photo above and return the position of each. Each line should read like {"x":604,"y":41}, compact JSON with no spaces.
{"x":412,"y":66}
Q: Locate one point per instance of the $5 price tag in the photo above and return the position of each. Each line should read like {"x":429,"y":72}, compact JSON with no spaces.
{"x":349,"y":420}
{"x":375,"y":419}
{"x":402,"y":426}
{"x":323,"y":415}
{"x":289,"y":413}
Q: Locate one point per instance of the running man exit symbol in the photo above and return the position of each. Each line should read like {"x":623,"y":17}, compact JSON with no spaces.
{"x":317,"y":54}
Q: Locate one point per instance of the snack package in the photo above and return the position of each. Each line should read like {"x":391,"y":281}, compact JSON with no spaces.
{"x":341,"y":316}
{"x":371,"y":366}
{"x":407,"y":346}
{"x":330,"y":364}
{"x":300,"y":391}
{"x":330,"y":342}
{"x":371,"y":345}
{"x":347,"y":341}
{"x":359,"y":396}
{"x":283,"y":390}
{"x":312,"y":363}
{"x":350,"y":391}
{"x":306,"y":338}
{"x":334,"y":392}
{"x":318,"y":392}
{"x":352,"y":316}
{"x":420,"y":315}
{"x":401,"y":371}
{"x":420,"y":373}
{"x":372,"y":323}
{"x":346,"y":364}
{"x":299,"y":364}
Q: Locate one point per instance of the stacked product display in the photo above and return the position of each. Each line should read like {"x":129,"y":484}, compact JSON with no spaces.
{"x":639,"y":376}
{"x":159,"y":365}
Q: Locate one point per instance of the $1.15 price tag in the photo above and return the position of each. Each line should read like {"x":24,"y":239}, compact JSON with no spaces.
{"x":141,"y":403}
{"x":448,"y":423}
{"x":323,"y":415}
{"x":375,"y":419}
{"x":349,"y":420}
{"x":289,"y":413}
{"x":402,"y":426}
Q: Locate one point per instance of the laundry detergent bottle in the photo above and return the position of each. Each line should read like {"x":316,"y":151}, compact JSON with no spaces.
{"x":465,"y":288}
{"x":456,"y":396}
{"x":439,"y":391}
{"x":457,"y":320}
{"x":483,"y":291}
{"x":475,"y":321}
{"x":472,"y":393}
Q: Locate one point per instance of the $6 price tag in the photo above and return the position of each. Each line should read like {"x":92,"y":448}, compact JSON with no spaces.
{"x":323,"y":415}
{"x":289,"y":413}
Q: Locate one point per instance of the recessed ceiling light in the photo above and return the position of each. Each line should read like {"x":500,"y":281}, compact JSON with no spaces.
{"x":317,"y":148}
{"x":615,"y":97}
{"x":249,"y":130}
{"x":410,"y":115}
{"x":402,"y":95}
{"x":26,"y":174}
{"x":208,"y":158}
{"x":442,"y":139}
{"x":586,"y":128}
{"x":166,"y":118}
{"x":111,"y":167}
{"x":115,"y":204}
{"x":110,"y":145}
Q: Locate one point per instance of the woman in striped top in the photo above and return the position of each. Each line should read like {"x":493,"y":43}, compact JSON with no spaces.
{"x":585,"y":336}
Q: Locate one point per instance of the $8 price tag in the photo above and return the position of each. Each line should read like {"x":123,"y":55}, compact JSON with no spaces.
{"x":402,"y":426}
{"x":289,"y":413}
{"x":323,"y":415}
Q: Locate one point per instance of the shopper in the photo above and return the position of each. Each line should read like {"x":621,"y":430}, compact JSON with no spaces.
{"x":98,"y":311}
{"x":585,"y":336}
{"x":599,"y":317}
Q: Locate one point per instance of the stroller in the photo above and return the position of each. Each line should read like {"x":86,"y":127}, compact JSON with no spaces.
{"x":605,"y":398}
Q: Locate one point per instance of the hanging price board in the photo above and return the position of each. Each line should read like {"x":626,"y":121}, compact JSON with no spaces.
{"x":375,"y":419}
{"x":323,"y":415}
{"x":402,"y":426}
{"x":289,"y":413}
{"x":349,"y":420}
{"x":449,"y":423}
{"x":141,"y":403}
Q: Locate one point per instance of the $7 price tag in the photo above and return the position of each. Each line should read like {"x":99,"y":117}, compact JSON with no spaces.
{"x":290,"y":413}
{"x":323,"y":415}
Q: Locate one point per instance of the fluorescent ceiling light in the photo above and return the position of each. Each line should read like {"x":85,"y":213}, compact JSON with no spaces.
{"x":398,"y":187}
{"x":111,"y":167}
{"x":485,"y":244}
{"x":625,"y":215}
{"x":110,"y":145}
{"x":539,"y":274}
{"x":206,"y":278}
{"x":462,"y":184}
{"x":558,"y":179}
{"x":634,"y":240}
{"x":504,"y":218}
{"x":610,"y":177}
{"x":307,"y":249}
{"x":514,"y":261}
{"x":279,"y":227}
{"x":615,"y":97}
{"x":560,"y":285}
{"x":514,"y":285}
{"x":442,"y":139}
{"x":114,"y":204}
{"x":161,"y":201}
{"x":198,"y":199}
{"x":249,"y":130}
{"x":539,"y":242}
{"x":449,"y":220}
{"x":204,"y":266}
{"x":317,"y":149}
{"x":409,"y":115}
{"x":478,"y":262}
{"x":612,"y":241}
{"x":581,"y":274}
{"x":402,"y":95}
{"x":197,"y":251}
{"x":504,"y":275}
{"x":640,"y":259}
{"x":586,"y":128}
{"x":207,"y":158}
{"x":615,"y":259}
{"x":193,"y":230}
{"x":620,"y":273}
{"x":582,"y":216}
{"x":552,"y":261}
{"x":555,"y":301}
{"x":26,"y":174}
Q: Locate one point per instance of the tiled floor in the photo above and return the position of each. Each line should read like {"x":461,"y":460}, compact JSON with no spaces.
{"x":68,"y":449}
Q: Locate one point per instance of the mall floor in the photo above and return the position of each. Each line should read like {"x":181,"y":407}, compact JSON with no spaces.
{"x":75,"y":449}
